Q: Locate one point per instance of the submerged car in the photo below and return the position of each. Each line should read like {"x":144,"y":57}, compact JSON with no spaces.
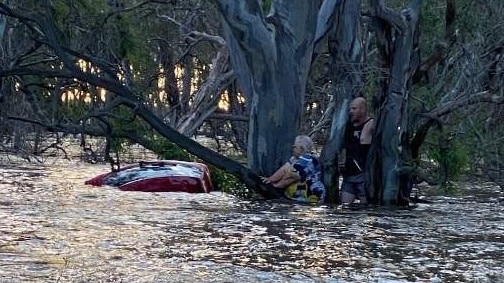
{"x":158,"y":176}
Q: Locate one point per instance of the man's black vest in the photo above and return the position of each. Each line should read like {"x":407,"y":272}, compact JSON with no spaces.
{"x":356,"y":153}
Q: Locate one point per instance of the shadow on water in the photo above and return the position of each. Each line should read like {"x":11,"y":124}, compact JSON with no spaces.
{"x":55,"y":229}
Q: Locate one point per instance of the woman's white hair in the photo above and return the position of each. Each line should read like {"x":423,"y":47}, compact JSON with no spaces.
{"x":305,"y":142}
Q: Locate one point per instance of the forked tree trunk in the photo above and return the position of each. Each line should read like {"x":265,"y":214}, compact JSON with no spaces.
{"x":271,"y":57}
{"x":397,"y":35}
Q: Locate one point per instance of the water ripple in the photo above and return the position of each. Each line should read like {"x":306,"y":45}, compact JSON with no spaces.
{"x":55,"y":229}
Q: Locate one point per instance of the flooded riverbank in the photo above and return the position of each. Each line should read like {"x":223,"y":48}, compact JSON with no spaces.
{"x":55,"y":229}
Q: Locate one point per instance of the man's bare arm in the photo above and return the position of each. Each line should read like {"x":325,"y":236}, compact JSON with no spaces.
{"x":367,"y":132}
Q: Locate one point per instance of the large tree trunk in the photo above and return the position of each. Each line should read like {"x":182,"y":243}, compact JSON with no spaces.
{"x":271,"y":57}
{"x":397,"y":34}
{"x":345,"y":48}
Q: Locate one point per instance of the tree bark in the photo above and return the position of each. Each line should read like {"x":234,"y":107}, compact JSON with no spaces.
{"x":271,"y":57}
{"x":345,"y":49}
{"x":397,"y":34}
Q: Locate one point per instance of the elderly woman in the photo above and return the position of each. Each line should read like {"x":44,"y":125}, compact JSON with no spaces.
{"x":300,"y":176}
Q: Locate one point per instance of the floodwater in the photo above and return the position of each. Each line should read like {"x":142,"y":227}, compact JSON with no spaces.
{"x":55,"y":229}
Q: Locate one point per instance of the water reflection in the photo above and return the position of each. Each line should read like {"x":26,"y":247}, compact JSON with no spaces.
{"x":55,"y":229}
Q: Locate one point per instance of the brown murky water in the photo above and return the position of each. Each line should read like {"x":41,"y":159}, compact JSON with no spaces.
{"x":55,"y":229}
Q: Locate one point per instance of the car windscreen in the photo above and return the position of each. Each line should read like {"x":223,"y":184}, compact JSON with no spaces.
{"x":137,"y":173}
